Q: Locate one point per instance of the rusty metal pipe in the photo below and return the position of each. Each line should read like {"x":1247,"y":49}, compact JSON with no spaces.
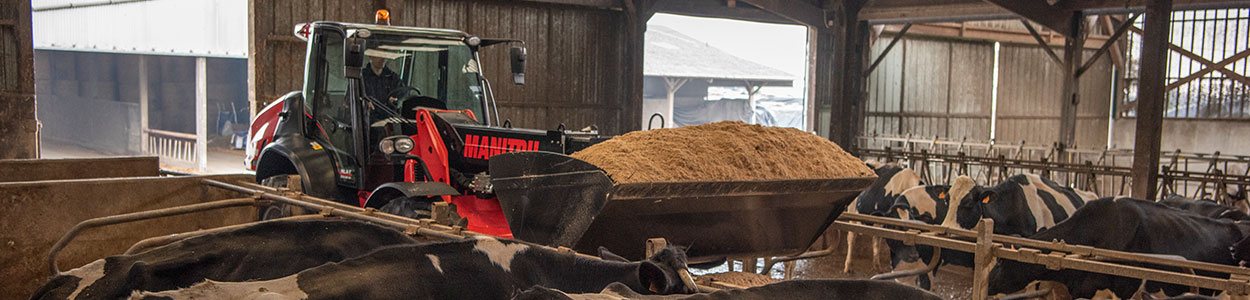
{"x":772,"y":262}
{"x":934,"y":262}
{"x":138,"y":216}
{"x":422,"y":227}
{"x":426,"y":227}
{"x":158,"y":241}
{"x":1027,"y":295}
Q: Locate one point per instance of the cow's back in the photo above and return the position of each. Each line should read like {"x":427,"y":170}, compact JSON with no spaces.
{"x":262,"y":251}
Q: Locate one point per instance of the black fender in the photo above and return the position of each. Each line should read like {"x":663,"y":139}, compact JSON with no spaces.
{"x":388,"y":191}
{"x":314,"y":166}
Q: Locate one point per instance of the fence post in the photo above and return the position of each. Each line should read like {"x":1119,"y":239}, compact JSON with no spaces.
{"x":983,"y":259}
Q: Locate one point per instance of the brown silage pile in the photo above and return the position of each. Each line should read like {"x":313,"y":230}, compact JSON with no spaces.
{"x":722,"y":151}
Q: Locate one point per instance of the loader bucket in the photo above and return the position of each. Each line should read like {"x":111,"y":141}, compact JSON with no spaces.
{"x":557,"y":200}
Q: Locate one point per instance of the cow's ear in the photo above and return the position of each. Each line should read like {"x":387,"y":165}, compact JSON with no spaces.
{"x":609,"y":256}
{"x":653,"y":278}
{"x":986,"y":197}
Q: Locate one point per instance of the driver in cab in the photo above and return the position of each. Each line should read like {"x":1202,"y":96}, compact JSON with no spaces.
{"x":380,"y":80}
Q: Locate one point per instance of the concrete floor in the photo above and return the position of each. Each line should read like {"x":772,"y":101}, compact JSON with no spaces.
{"x":220,"y":161}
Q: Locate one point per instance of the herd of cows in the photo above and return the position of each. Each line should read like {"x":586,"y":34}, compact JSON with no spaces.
{"x":341,"y":259}
{"x":338,"y":259}
{"x":1028,"y":205}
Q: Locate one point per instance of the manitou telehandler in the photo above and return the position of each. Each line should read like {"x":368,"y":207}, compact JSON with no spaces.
{"x":437,"y":136}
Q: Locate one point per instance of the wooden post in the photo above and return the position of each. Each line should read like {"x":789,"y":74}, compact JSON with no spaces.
{"x":821,"y":85}
{"x":1073,"y":48}
{"x":201,"y":114}
{"x":850,"y":59}
{"x":752,"y":90}
{"x":1151,"y":98}
{"x":637,"y":12}
{"x":672,"y":85}
{"x":143,"y":102}
{"x":983,"y":259}
{"x":654,"y":245}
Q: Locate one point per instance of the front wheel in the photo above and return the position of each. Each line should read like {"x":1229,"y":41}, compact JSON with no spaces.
{"x":278,"y":210}
{"x":409,"y":207}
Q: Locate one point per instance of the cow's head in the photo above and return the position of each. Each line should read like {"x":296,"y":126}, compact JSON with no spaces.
{"x":666,"y":273}
{"x":966,"y":198}
{"x":927,"y":204}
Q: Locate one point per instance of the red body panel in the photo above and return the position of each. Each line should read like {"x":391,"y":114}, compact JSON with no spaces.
{"x":484,"y":215}
{"x":261,"y":132}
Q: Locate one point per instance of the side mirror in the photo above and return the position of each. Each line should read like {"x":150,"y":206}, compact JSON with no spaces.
{"x":518,"y":65}
{"x":353,"y":57}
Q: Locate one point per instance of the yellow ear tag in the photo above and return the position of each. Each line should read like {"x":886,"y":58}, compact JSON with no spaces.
{"x":942,"y":196}
{"x":986,"y":200}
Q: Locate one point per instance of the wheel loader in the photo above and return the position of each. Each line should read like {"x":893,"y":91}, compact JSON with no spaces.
{"x":438,"y":137}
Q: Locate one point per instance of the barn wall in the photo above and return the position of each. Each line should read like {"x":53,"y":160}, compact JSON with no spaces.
{"x":575,"y":69}
{"x":1191,"y":135}
{"x":1028,"y":101}
{"x":931,"y":87}
{"x":18,"y":128}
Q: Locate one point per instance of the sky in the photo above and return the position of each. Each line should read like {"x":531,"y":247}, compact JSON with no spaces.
{"x":783,"y":47}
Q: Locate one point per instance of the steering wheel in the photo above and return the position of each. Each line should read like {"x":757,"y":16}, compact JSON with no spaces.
{"x":402,"y":93}
{"x":335,"y":125}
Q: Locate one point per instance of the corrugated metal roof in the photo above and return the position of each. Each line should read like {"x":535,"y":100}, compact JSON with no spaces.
{"x":210,"y":28}
{"x":672,"y":54}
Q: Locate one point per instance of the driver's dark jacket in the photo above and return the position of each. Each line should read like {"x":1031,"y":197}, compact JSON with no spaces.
{"x":379,"y":86}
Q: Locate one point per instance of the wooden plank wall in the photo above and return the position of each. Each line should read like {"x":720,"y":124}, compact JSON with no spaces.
{"x":575,"y":69}
{"x":18,"y":128}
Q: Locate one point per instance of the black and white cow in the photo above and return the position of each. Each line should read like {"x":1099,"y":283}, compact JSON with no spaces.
{"x":790,"y":289}
{"x":473,"y":268}
{"x":1021,"y":205}
{"x":266,"y":250}
{"x":926,"y":204}
{"x":1205,"y":207}
{"x":1125,"y":224}
{"x":892,"y":180}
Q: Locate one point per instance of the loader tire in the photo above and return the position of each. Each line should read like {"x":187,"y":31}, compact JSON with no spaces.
{"x":279,"y":210}
{"x":408,"y":207}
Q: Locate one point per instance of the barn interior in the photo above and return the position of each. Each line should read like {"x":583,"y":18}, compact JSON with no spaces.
{"x":126,"y":125}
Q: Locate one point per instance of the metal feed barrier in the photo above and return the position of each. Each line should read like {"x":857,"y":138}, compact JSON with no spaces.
{"x":988,"y":247}
{"x":1106,"y":172}
{"x":264,"y":196}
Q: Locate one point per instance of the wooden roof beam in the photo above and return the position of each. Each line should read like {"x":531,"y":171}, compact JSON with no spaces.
{"x":1052,"y":17}
{"x":719,"y":9}
{"x":796,"y":10}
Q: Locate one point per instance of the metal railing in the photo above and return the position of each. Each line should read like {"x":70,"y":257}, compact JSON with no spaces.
{"x":170,"y":145}
{"x":1106,"y":172}
{"x":1208,"y":69}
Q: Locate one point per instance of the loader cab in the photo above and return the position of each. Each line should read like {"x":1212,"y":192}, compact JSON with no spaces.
{"x":363,"y":83}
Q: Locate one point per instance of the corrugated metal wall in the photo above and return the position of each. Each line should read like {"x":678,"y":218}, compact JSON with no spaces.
{"x":18,"y":129}
{"x":575,"y":69}
{"x":929,"y":87}
{"x":1028,"y":93}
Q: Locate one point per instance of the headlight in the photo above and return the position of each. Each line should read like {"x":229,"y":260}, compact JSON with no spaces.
{"x":473,"y":41}
{"x":403,"y":144}
{"x":387,"y":146}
